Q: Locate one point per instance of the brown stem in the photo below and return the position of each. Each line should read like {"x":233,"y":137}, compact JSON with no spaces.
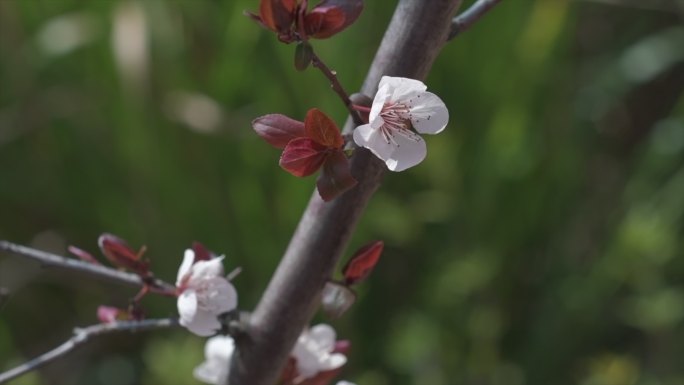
{"x":97,"y":271}
{"x":337,"y":87}
{"x":465,"y":20}
{"x":415,"y":36}
{"x":81,"y":336}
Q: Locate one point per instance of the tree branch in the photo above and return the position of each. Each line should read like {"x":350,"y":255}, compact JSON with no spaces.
{"x":82,"y":336}
{"x":337,"y":87}
{"x":416,"y":34}
{"x":465,"y":20}
{"x":98,"y":271}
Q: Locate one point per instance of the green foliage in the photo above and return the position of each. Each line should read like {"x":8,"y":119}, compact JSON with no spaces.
{"x":541,"y":242}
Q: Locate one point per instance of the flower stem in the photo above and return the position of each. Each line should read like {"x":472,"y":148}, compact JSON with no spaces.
{"x":337,"y":87}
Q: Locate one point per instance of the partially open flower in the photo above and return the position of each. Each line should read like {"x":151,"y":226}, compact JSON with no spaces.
{"x":204,"y":293}
{"x":401,"y":108}
{"x":314,"y":351}
{"x":217,"y":352}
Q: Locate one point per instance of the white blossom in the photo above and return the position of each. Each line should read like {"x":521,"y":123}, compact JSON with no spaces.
{"x":204,"y":293}
{"x":314,"y":351}
{"x":401,"y":108}
{"x":345,"y":383}
{"x":217,"y":352}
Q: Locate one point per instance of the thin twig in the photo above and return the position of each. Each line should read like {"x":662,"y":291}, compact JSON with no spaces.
{"x":97,"y":271}
{"x":467,"y":18}
{"x":82,"y":336}
{"x":337,"y":87}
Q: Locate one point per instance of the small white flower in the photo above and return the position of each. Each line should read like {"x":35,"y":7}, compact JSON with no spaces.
{"x":314,"y":351}
{"x":345,"y":383}
{"x":218,"y":352}
{"x":401,"y":106}
{"x":204,"y":294}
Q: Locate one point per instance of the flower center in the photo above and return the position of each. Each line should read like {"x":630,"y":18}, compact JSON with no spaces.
{"x":397,"y":118}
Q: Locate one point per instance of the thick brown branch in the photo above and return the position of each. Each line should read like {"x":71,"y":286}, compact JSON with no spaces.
{"x":466,"y":19}
{"x":85,"y":268}
{"x":82,"y":336}
{"x":416,"y":34}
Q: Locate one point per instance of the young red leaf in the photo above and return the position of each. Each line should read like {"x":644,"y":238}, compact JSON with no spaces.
{"x":303,"y":157}
{"x":332,"y":16}
{"x":277,"y":15}
{"x":278,"y":130}
{"x":201,"y":252}
{"x":303,"y":56}
{"x":120,"y":254}
{"x":336,"y":176}
{"x":362,"y":263}
{"x":322,"y":129}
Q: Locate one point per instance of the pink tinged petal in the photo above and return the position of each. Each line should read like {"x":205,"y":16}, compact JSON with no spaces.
{"x":217,"y":296}
{"x":207,"y":269}
{"x":409,"y":151}
{"x":203,"y":324}
{"x":381,"y":97}
{"x":187,"y":306}
{"x":372,"y":139}
{"x":404,"y":150}
{"x":186,"y":265}
{"x":429,"y":115}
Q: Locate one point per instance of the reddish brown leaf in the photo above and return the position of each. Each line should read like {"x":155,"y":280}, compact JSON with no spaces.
{"x":336,"y":176}
{"x":120,"y":254}
{"x":303,"y":157}
{"x":278,"y":130}
{"x":332,"y":16}
{"x":362,"y":263}
{"x":322,"y":129}
{"x":201,"y":252}
{"x":277,"y":15}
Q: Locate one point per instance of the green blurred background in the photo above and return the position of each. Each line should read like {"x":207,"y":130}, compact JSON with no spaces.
{"x":541,"y":242}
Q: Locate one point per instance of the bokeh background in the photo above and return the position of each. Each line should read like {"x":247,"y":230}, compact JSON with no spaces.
{"x":541,"y":242}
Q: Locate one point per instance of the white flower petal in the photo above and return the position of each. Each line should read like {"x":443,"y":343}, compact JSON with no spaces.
{"x":381,"y":97}
{"x":332,"y":361}
{"x":218,"y":352}
{"x":404,"y":151}
{"x":188,"y":259}
{"x":211,"y":372}
{"x":366,"y":136}
{"x":402,"y":88}
{"x":429,"y":115}
{"x":207,"y":269}
{"x":324,"y":336}
{"x":203,"y":324}
{"x":219,"y":348}
{"x":218,"y":295}
{"x":345,"y":383}
{"x":187,"y":305}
